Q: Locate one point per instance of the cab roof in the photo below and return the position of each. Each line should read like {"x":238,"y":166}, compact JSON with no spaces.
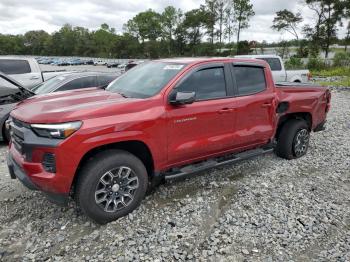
{"x":197,"y":60}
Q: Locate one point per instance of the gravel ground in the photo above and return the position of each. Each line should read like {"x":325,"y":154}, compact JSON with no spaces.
{"x":263,"y":209}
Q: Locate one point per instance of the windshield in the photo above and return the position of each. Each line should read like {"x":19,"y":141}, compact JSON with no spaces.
{"x":145,"y":80}
{"x":49,"y":85}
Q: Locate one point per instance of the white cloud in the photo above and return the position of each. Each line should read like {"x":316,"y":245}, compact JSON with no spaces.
{"x":19,"y":16}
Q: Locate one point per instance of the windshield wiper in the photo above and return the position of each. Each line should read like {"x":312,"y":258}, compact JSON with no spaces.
{"x":123,"y":95}
{"x":103,"y":87}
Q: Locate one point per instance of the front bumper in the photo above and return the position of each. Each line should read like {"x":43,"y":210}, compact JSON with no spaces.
{"x":16,"y":171}
{"x":25,"y":162}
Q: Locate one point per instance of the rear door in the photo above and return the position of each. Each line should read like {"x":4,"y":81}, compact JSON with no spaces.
{"x":254,"y":106}
{"x":20,"y":70}
{"x":204,"y":127}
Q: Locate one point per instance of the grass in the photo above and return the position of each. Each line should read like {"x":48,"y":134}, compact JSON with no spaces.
{"x":342,"y":74}
{"x":344,"y":82}
{"x":333,"y":71}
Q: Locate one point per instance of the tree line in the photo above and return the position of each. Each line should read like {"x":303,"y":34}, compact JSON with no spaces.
{"x":213,"y":28}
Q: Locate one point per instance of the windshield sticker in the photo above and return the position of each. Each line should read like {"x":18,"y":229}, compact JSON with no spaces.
{"x":173,"y":67}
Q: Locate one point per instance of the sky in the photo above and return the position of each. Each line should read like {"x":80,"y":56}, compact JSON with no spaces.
{"x":20,"y":16}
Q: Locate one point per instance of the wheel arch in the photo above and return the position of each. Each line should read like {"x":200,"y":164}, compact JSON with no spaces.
{"x":135,"y":147}
{"x":306,"y":116}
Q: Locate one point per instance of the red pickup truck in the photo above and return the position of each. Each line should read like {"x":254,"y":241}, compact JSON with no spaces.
{"x":161,"y":120}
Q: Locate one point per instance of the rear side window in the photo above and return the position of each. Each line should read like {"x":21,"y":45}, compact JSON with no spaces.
{"x":249,"y":79}
{"x":207,"y":83}
{"x":274,"y":63}
{"x":105,"y":79}
{"x":84,"y":82}
{"x":14,"y":67}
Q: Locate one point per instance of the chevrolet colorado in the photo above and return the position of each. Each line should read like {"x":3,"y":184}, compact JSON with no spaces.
{"x":161,"y":120}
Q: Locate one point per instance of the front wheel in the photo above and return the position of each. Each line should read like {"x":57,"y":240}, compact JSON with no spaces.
{"x":111,"y":185}
{"x":293,"y":140}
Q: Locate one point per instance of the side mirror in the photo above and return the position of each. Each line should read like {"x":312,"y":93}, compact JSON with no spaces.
{"x":181,"y":98}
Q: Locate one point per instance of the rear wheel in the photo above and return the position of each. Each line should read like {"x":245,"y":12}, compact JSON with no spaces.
{"x":112,"y":185}
{"x":293,"y":140}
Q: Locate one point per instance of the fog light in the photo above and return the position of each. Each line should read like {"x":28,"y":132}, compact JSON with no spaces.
{"x":49,"y":162}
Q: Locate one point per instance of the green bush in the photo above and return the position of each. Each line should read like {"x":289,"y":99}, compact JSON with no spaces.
{"x":341,"y":59}
{"x":294,"y":63}
{"x":315,"y":63}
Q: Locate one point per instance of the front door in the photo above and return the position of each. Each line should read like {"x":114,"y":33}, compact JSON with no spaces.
{"x":204,"y":127}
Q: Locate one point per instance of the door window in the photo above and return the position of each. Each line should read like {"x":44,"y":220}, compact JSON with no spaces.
{"x":13,"y":67}
{"x":84,"y":82}
{"x":207,"y":83}
{"x":249,"y":79}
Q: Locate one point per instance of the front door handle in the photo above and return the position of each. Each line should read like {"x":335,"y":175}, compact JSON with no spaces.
{"x":225,"y":110}
{"x":34,"y":78}
{"x":266,"y":105}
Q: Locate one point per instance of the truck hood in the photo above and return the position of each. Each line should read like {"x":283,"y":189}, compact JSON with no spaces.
{"x":11,"y":91}
{"x":71,"y":106}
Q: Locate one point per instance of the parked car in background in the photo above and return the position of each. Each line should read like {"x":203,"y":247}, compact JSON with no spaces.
{"x":12,"y":92}
{"x":89,"y":62}
{"x":279,"y":73}
{"x":44,"y":60}
{"x":25,"y":71}
{"x":121,"y":66}
{"x":76,"y":61}
{"x":132,"y":64}
{"x":112,"y":64}
{"x":99,"y":62}
{"x":75,"y":80}
{"x":55,"y":61}
{"x":62,"y":62}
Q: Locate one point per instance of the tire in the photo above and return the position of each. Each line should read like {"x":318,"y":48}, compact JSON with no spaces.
{"x":292,"y":132}
{"x":99,"y":181}
{"x":5,"y":134}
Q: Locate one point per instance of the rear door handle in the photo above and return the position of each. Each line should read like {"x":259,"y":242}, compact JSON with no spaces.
{"x":34,"y":77}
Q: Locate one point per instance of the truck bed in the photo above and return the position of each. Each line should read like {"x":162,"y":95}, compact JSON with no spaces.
{"x":296,"y":85}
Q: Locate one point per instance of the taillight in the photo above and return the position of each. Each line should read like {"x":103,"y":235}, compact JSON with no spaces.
{"x":328,"y":99}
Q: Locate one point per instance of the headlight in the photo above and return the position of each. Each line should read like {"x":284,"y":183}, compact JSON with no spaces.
{"x":59,"y":131}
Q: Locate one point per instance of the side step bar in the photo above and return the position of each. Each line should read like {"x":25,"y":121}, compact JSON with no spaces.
{"x":215,"y":162}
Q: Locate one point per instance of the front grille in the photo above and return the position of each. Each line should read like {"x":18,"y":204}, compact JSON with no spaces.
{"x":17,"y":133}
{"x":49,"y":162}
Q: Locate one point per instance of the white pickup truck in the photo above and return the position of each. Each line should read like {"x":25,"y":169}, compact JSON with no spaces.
{"x":26,"y":71}
{"x":279,"y":73}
